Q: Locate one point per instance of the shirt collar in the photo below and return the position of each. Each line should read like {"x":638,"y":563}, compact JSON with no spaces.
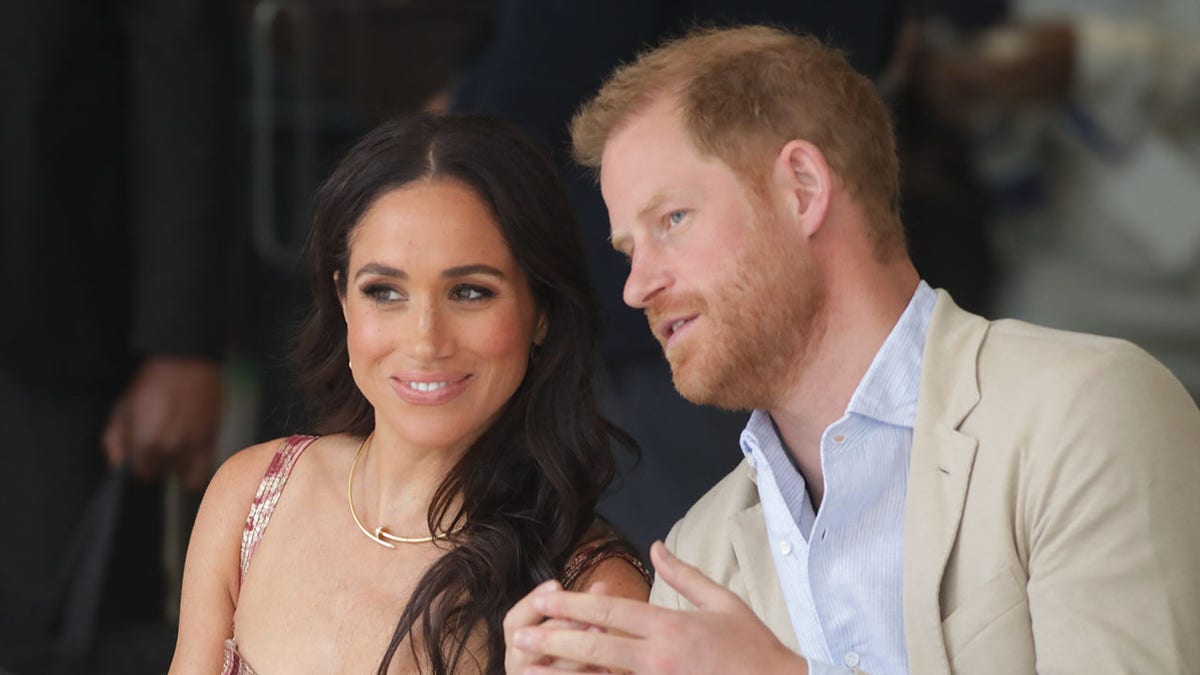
{"x":888,"y":392}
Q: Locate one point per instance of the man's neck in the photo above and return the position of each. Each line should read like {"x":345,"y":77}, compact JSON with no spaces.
{"x":860,"y":316}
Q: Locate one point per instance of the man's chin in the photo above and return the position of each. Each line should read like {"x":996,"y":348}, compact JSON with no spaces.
{"x":695,"y":390}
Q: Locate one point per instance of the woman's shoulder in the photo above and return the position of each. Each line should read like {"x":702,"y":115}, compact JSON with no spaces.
{"x":604,"y":556}
{"x":234,"y":486}
{"x":239,"y":476}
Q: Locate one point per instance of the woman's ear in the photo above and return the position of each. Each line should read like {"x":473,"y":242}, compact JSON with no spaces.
{"x":540,"y":328}
{"x":341,"y":294}
{"x":803,"y":176}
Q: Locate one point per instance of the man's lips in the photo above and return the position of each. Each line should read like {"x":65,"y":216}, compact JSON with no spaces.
{"x":669,"y":328}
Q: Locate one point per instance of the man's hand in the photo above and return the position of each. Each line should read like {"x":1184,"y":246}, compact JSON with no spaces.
{"x":722,"y":636}
{"x":524,"y":614}
{"x":166,"y":420}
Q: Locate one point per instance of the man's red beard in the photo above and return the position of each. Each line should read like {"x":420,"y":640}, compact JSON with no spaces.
{"x":752,"y":334}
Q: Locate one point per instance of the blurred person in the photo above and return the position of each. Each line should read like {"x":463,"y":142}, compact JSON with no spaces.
{"x":944,"y":207}
{"x":112,"y":254}
{"x":545,"y":58}
{"x":1086,"y":120}
{"x":923,"y":490}
{"x":449,"y":360}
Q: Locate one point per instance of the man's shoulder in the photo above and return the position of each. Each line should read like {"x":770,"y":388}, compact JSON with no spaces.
{"x":1040,"y":359}
{"x":1014,"y":334}
{"x":1033,"y":358}
{"x":1036,"y":396}
{"x":1050,"y":402}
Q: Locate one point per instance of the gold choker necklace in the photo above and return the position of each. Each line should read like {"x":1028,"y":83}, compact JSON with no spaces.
{"x":381,"y":536}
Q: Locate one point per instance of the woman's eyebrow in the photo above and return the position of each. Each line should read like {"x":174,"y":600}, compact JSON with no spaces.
{"x":477,"y":268}
{"x":381,"y":270}
{"x":452,"y":272}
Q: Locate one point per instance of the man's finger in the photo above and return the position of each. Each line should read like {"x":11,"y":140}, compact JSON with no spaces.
{"x":690,"y":582}
{"x":604,"y":650}
{"x":560,"y":667}
{"x":524,"y":613}
{"x":613,"y":613}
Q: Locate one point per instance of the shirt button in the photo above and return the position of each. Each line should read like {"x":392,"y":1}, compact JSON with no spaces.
{"x":785,"y":547}
{"x":851,"y":659}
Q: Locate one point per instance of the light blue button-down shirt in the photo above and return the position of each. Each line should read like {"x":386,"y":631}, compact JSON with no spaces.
{"x":841,"y":567}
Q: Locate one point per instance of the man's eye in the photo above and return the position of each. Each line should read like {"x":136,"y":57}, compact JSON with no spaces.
{"x":676,"y":217}
{"x":470,"y":293}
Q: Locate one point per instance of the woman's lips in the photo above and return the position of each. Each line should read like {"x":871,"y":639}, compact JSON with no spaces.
{"x":429,"y":388}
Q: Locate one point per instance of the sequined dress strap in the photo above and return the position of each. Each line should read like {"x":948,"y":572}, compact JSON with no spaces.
{"x":268,"y":495}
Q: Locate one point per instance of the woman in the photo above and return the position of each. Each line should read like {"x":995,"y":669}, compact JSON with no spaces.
{"x":448,"y":358}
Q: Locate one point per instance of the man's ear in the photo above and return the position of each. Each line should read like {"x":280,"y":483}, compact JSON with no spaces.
{"x":341,"y":294}
{"x":803,"y":178}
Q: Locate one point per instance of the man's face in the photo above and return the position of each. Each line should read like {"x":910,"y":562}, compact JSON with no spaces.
{"x":731,"y":291}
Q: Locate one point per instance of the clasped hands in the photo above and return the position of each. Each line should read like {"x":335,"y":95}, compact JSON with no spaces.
{"x":553,"y":631}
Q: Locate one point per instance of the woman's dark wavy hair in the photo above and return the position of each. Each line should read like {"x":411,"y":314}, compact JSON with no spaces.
{"x":530,"y":483}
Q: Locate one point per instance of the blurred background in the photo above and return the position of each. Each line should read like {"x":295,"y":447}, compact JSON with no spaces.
{"x":159,"y":159}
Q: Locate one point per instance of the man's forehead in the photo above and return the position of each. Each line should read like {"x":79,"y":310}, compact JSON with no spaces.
{"x":641,"y":141}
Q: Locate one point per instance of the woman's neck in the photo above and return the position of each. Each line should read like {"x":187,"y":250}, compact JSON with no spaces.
{"x":396,"y":482}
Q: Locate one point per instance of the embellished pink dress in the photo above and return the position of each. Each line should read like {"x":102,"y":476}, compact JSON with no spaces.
{"x":272,"y":485}
{"x":256,"y":523}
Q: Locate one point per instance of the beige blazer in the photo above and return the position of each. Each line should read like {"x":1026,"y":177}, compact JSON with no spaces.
{"x":1052,"y":522}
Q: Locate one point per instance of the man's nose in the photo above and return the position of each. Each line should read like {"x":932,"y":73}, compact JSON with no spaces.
{"x":648,"y":276}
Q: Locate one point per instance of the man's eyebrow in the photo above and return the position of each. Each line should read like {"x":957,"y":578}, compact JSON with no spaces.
{"x":653,"y":205}
{"x":382,"y":270}
{"x":620,"y":241}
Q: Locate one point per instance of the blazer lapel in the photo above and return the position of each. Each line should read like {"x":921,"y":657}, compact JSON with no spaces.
{"x":939,"y":474}
{"x":748,"y":531}
{"x":752,"y":548}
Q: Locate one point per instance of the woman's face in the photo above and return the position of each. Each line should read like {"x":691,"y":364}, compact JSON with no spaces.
{"x":439,"y":318}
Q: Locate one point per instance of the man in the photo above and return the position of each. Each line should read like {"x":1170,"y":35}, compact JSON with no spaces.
{"x":546,"y":57}
{"x":112,"y":240}
{"x":923,"y":490}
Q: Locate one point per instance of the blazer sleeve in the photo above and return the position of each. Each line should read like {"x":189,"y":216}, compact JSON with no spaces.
{"x":1110,"y":511}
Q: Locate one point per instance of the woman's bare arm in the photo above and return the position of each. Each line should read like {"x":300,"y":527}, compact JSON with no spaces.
{"x":211,"y":574}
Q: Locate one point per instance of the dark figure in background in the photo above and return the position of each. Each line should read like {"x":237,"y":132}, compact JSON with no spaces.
{"x":944,"y":204}
{"x":545,"y":58}
{"x":110,"y":250}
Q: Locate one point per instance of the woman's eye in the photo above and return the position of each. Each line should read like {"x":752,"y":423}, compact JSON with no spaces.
{"x":382,"y":294}
{"x":470,"y":293}
{"x":675,"y":217}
